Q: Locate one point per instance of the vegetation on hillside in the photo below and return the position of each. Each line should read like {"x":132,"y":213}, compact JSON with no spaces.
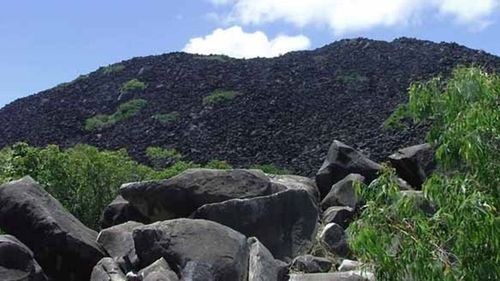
{"x":132,"y":86}
{"x":271,"y":169}
{"x":124,"y":111}
{"x":113,"y":68}
{"x":460,"y":238}
{"x":84,"y":179}
{"x":219,"y":96}
{"x":166,"y":118}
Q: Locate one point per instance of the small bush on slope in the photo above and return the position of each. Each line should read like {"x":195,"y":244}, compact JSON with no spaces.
{"x":124,"y":111}
{"x":461,"y":240}
{"x":219,"y":96}
{"x":133,"y":85}
{"x":112,"y":68}
{"x":271,"y":169}
{"x":165,"y":118}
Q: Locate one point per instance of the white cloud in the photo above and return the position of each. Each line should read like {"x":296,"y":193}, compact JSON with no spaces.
{"x":354,"y":15}
{"x":467,"y":11}
{"x":235,"y":42}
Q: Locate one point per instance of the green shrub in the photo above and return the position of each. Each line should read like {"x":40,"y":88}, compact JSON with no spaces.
{"x":124,"y":111}
{"x":84,"y":179}
{"x":461,"y":240}
{"x":271,"y":169}
{"x":112,"y":68}
{"x":351,"y":78}
{"x":219,"y":96}
{"x":133,"y":85}
{"x":166,"y":117}
{"x":160,"y":157}
{"x":220,"y":58}
{"x":218,"y":164}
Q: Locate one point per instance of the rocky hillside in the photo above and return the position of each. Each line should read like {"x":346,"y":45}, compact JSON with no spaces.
{"x":284,"y":110}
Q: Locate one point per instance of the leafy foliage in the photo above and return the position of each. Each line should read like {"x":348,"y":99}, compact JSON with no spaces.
{"x":160,"y":157}
{"x":84,"y":179}
{"x":219,"y":96}
{"x":461,"y":239}
{"x":124,"y":111}
{"x":112,"y":68}
{"x":219,"y":58}
{"x":166,"y":118}
{"x":218,"y":164}
{"x":133,"y":85}
{"x":271,"y":169}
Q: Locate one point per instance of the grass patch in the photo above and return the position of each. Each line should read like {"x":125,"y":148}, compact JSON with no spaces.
{"x":112,"y":68}
{"x":219,"y":58}
{"x":165,"y":118}
{"x":220,"y":96}
{"x":218,"y":164}
{"x":124,"y":111}
{"x":271,"y":169}
{"x":351,"y":78}
{"x":133,"y":85}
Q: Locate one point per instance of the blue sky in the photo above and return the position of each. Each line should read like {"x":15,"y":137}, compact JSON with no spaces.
{"x":44,"y":43}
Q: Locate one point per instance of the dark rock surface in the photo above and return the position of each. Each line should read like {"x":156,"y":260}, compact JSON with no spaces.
{"x":17,"y":262}
{"x":119,"y":244}
{"x":185,"y":243}
{"x":183,"y":194}
{"x":311,"y":264}
{"x":297,"y":182}
{"x":334,"y":238}
{"x":334,"y":276}
{"x":65,"y":248}
{"x":285,"y":222}
{"x":107,"y":270}
{"x":290,"y":109}
{"x":158,"y":271}
{"x":414,"y":164}
{"x":341,"y":161}
{"x":343,"y":192}
{"x":261,"y":264}
{"x":341,"y":215}
{"x":120,"y":211}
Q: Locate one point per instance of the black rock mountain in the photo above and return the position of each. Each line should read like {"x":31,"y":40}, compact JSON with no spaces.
{"x":289,"y":109}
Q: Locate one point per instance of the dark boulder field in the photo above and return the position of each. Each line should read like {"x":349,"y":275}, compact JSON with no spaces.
{"x":285,"y":111}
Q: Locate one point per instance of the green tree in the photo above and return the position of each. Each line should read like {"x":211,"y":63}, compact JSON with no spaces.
{"x":460,"y":240}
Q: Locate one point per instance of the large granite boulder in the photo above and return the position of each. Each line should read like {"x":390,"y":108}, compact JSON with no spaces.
{"x":334,"y":238}
{"x":414,"y":164}
{"x":119,"y":243}
{"x":333,"y":276}
{"x":183,"y":194}
{"x":17,"y":261}
{"x":343,"y":193}
{"x":184,"y":243}
{"x":65,"y":248}
{"x":297,"y":182}
{"x":341,"y":161}
{"x":158,"y":271}
{"x":340,"y":215}
{"x":262,"y":266}
{"x":311,"y":264}
{"x":285,"y":222}
{"x":120,"y":211}
{"x":107,"y":269}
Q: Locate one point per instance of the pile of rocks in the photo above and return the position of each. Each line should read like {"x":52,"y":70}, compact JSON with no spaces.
{"x":224,"y":225}
{"x":288,"y":111}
